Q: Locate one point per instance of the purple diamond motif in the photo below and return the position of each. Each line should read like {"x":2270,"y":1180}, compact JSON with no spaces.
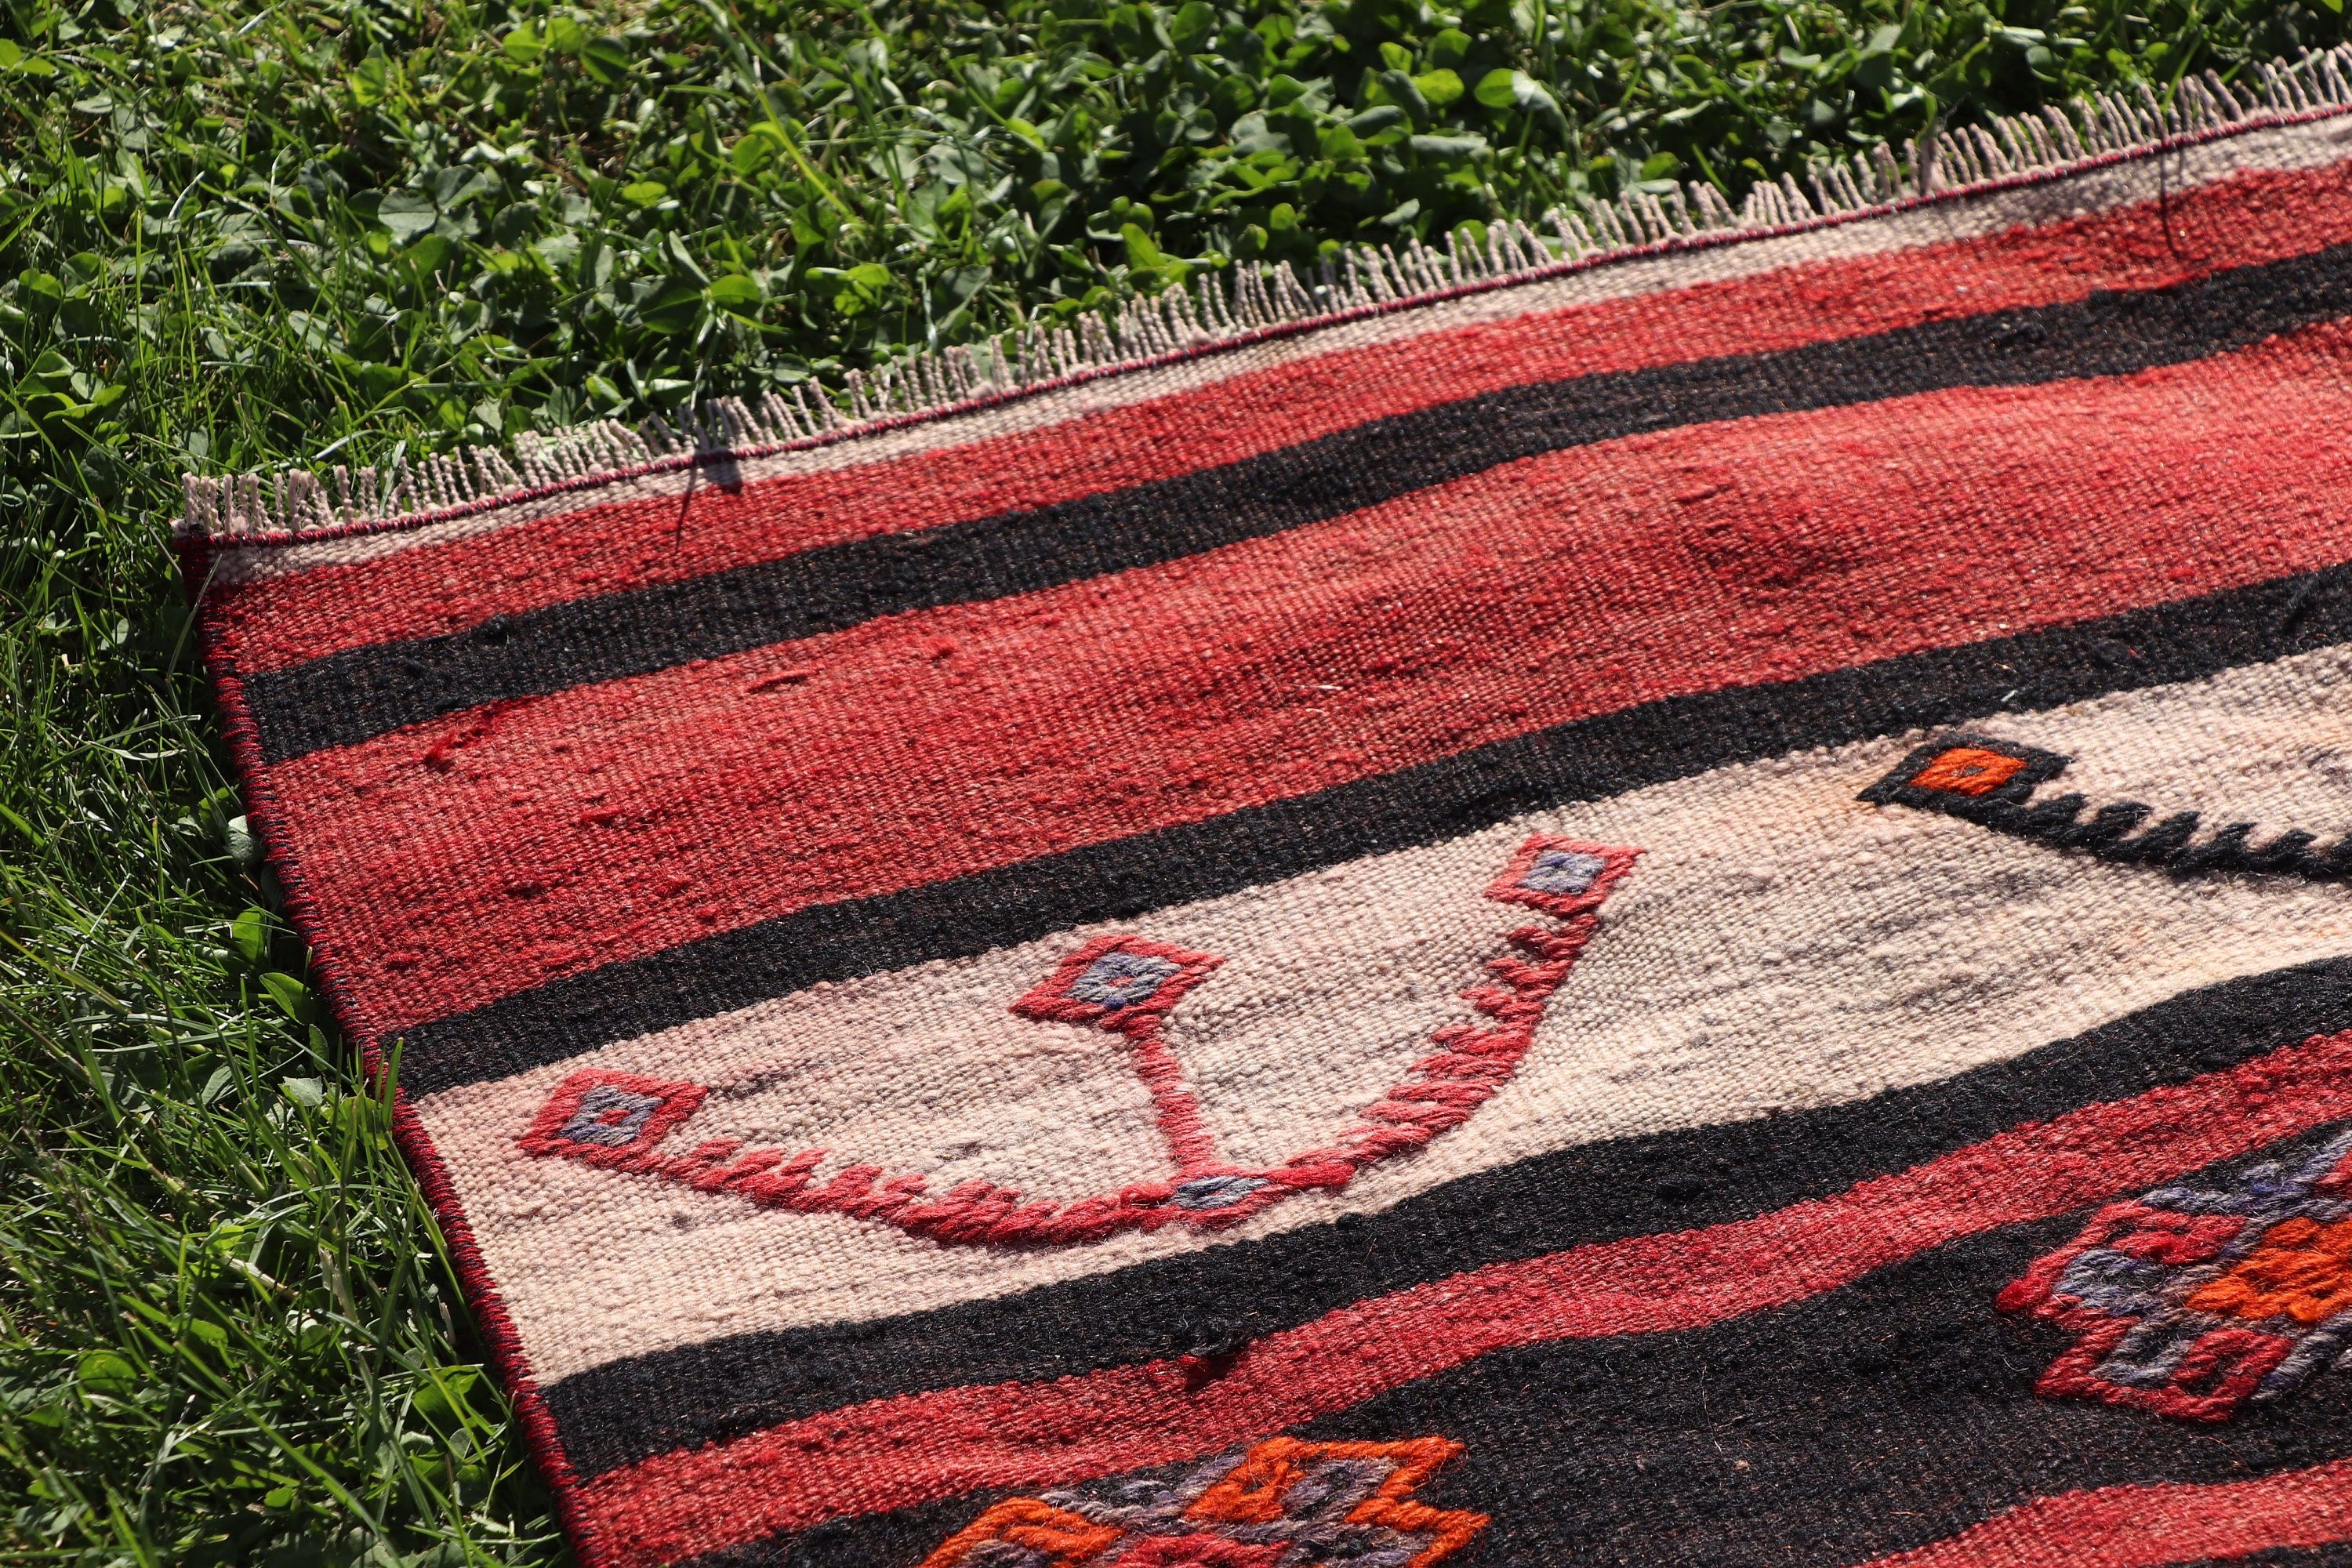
{"x":1564,"y":872}
{"x":1217,"y":1192}
{"x":610,"y":1115}
{"x":1122,"y":979}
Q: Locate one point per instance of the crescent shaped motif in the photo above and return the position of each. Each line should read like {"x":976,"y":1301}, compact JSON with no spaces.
{"x":1127,"y":985}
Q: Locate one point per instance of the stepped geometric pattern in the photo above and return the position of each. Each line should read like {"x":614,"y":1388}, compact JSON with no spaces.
{"x":1282,"y":1504}
{"x":2190,"y":1300}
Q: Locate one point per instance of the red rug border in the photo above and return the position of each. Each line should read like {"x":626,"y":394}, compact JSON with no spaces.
{"x":510,"y":1362}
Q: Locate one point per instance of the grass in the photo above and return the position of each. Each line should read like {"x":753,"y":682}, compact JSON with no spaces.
{"x":273,"y":230}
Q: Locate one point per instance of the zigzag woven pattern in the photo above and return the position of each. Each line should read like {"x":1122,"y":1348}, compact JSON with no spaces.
{"x":1677,"y":891}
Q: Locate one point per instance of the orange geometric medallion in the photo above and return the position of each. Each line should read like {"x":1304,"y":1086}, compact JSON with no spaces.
{"x":1285,"y":1503}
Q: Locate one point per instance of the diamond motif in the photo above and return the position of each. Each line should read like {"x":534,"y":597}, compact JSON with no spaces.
{"x":1563,"y":876}
{"x":1122,"y":979}
{"x":1217,"y":1192}
{"x":1967,"y":775}
{"x":1117,"y":983}
{"x":1969,"y":770}
{"x":606,"y":1118}
{"x":610,"y":1115}
{"x":1562,"y":872}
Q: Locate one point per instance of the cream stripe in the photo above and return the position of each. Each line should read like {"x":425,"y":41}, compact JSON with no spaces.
{"x":2281,"y":149}
{"x":1780,"y":946}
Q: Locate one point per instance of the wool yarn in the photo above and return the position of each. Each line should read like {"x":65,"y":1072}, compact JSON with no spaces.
{"x":1672,"y":893}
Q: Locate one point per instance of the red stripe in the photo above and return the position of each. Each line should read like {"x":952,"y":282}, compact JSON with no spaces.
{"x":630,"y":816}
{"x":602,"y":549}
{"x":894,"y":1453}
{"x":2150,"y":1526}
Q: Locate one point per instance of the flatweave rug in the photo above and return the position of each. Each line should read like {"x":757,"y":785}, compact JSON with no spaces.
{"x":1673,"y":892}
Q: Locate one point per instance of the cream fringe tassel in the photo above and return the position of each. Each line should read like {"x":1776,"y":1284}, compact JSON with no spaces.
{"x":1251,"y":300}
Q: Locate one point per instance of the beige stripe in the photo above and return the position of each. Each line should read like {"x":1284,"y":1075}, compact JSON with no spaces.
{"x":1780,"y":946}
{"x":2288,"y":148}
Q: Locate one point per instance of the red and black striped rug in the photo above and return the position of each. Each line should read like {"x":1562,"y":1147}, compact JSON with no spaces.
{"x":1671,"y":896}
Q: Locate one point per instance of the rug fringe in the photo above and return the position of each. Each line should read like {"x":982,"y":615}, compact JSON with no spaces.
{"x":1250,"y":300}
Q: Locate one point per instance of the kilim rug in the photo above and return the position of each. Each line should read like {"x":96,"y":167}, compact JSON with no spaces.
{"x":1668,"y":893}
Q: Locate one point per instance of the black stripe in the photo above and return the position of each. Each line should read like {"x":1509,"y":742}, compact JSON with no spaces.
{"x":1590,"y":759}
{"x":1881,"y":1416}
{"x":348,"y":697}
{"x":1220,"y":1299}
{"x":908,"y":1535}
{"x":892,"y":1539}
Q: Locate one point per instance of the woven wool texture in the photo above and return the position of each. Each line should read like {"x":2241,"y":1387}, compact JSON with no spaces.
{"x":1678,"y":904}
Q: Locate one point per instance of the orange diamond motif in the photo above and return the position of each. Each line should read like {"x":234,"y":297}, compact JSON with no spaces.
{"x":1969,"y":770}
